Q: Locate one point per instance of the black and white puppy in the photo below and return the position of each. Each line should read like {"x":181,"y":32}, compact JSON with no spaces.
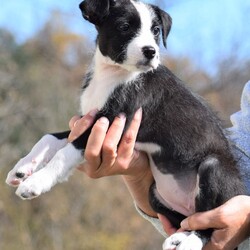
{"x":190,"y":157}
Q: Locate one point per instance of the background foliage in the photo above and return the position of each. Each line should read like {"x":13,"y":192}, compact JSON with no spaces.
{"x":39,"y":89}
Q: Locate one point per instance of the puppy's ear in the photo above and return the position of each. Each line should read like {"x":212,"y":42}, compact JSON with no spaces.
{"x":166,"y":22}
{"x":95,"y":11}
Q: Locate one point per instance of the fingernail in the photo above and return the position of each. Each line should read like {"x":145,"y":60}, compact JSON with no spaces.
{"x":93,"y":112}
{"x":75,"y":123}
{"x":122,"y":116}
{"x":138,"y":113}
{"x":185,"y":225}
{"x":104,"y":120}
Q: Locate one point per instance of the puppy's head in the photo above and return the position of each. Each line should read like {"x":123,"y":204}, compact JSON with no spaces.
{"x":128,"y":31}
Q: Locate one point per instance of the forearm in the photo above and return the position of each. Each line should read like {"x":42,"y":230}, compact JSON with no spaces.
{"x":139,"y":190}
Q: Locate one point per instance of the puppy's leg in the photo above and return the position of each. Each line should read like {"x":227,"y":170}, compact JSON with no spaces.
{"x":219,"y":181}
{"x":178,"y":241}
{"x":38,"y":157}
{"x":57,"y":170}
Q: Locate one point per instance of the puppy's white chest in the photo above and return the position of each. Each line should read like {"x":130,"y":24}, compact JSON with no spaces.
{"x":105,"y":79}
{"x":95,"y":95}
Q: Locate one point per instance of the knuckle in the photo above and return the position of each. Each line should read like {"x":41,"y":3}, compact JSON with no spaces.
{"x":84,"y":122}
{"x":73,"y":121}
{"x":222,"y":216}
{"x":122,"y":163}
{"x":129,"y":137}
{"x":109,"y":149}
{"x":89,"y":155}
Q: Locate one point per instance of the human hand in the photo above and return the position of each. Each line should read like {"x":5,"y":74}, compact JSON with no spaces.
{"x":103,"y":156}
{"x":231,"y":223}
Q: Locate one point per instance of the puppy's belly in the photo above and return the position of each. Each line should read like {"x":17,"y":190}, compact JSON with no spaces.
{"x":176,"y":192}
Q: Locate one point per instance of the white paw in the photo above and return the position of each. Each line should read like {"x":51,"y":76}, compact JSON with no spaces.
{"x":33,"y":186}
{"x":20,"y":172}
{"x":57,"y":170}
{"x":183,"y":241}
{"x":38,"y":158}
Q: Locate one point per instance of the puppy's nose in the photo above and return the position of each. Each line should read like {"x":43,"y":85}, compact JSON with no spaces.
{"x":149,"y":52}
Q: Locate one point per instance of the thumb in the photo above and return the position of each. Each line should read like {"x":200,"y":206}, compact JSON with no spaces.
{"x":199,"y":221}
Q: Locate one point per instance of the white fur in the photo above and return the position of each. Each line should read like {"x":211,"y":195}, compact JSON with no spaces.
{"x":38,"y":157}
{"x":183,"y":241}
{"x":107,"y":76}
{"x":55,"y":159}
{"x":149,"y":148}
{"x":145,"y":37}
{"x":57,"y":170}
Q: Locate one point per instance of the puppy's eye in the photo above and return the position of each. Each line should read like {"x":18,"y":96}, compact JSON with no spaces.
{"x":124,"y":27}
{"x":156,"y":30}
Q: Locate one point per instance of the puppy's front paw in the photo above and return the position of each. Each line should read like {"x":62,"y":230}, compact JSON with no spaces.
{"x":38,"y":158}
{"x":20,"y":172}
{"x":32,"y":187}
{"x":183,"y":241}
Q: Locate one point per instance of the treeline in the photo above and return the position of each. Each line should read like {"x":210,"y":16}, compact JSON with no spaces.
{"x":39,"y":88}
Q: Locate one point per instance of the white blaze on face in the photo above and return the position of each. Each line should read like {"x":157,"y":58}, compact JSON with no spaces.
{"x":135,"y":58}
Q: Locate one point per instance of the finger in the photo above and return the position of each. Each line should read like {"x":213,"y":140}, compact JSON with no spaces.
{"x":200,"y":221}
{"x":210,"y":246}
{"x":218,"y":241}
{"x":109,"y":150}
{"x":81,"y":125}
{"x":95,"y":142}
{"x":167,"y":226}
{"x":73,"y":121}
{"x":126,"y":148}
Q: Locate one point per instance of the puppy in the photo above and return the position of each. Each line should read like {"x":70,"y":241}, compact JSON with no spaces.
{"x":190,"y":158}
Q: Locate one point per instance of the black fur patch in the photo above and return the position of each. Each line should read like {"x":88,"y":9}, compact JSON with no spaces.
{"x":120,"y":26}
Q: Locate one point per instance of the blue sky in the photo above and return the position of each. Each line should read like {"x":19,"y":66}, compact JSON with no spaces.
{"x":204,"y":30}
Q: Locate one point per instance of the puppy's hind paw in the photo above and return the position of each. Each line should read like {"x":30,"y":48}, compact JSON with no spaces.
{"x":30,"y":188}
{"x":174,"y":241}
{"x":183,"y":241}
